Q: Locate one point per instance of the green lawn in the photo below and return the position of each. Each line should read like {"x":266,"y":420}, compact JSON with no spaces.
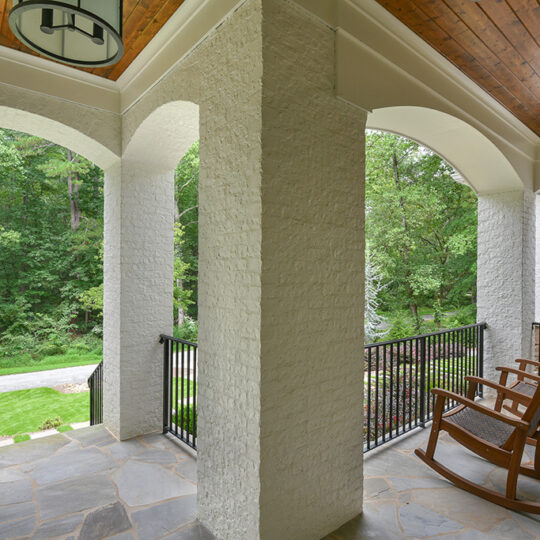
{"x":24,"y":411}
{"x":25,"y":363}
{"x":191,"y":385}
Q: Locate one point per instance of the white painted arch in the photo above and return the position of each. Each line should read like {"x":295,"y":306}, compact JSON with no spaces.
{"x":164,"y":136}
{"x":484,"y":167}
{"x":59,"y":133}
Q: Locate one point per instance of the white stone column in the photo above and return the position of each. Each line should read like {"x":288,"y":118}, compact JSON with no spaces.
{"x":138,"y":302}
{"x":506,"y":276}
{"x":281,"y":283}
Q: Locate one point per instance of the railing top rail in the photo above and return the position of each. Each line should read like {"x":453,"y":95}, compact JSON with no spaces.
{"x":421,"y":336}
{"x":164,"y":337}
{"x":94,"y":373}
{"x":536,"y":323}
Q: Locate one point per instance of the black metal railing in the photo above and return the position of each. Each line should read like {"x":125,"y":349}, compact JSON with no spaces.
{"x":95,"y":383}
{"x":400,"y":374}
{"x":180,"y":389}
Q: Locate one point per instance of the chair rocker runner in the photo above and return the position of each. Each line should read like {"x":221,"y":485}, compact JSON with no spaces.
{"x":491,"y":435}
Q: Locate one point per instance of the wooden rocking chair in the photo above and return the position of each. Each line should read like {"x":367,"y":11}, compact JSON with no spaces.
{"x":491,"y":435}
{"x":525,"y":383}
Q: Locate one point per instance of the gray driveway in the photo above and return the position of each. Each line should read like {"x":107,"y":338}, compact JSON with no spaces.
{"x":38,"y":379}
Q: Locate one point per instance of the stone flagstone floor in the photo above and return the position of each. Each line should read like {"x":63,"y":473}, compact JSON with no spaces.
{"x":403,"y":498}
{"x":85,"y":485}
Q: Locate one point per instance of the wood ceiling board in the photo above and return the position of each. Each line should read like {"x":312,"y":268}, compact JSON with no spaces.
{"x":488,"y":41}
{"x":529,"y":15}
{"x":142,"y":21}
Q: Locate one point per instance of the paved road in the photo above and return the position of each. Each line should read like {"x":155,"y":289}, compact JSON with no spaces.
{"x":38,"y":379}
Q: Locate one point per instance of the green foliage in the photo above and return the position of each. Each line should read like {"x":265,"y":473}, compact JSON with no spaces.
{"x":51,"y":423}
{"x":189,"y":331}
{"x":401,"y":326}
{"x":82,"y":351}
{"x":187,"y":232}
{"x":24,"y":411}
{"x":51,"y":216}
{"x":463,"y":316}
{"x":21,"y":438}
{"x":420,"y":227}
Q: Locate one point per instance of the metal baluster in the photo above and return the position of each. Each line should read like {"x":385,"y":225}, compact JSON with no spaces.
{"x":188,"y":384}
{"x":376,"y":396}
{"x":369,"y":401}
{"x":195,"y":392}
{"x":384,"y":396}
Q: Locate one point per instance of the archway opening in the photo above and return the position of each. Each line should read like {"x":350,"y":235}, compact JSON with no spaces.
{"x":51,"y":274}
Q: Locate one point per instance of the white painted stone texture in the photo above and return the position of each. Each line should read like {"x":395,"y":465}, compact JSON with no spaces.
{"x":312,"y":284}
{"x":280,"y":274}
{"x":506,"y":276}
{"x":138,"y":269}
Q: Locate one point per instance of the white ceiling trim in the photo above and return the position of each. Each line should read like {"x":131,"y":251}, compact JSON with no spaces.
{"x":337,"y":15}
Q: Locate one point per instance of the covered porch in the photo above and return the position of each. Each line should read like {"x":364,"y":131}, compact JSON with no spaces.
{"x":87,"y":485}
{"x":280,"y":93}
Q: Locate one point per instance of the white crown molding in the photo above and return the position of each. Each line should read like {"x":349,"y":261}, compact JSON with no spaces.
{"x":40,"y":75}
{"x":186,"y":28}
{"x":336,"y":13}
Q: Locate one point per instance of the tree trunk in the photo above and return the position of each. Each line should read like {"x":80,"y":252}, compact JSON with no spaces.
{"x":73,"y":191}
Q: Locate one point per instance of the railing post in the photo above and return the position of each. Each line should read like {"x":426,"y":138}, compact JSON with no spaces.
{"x":481,"y":358}
{"x":165,"y":383}
{"x":423,"y":381}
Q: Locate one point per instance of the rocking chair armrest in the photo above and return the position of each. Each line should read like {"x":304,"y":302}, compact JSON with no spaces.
{"x":519,"y":424}
{"x":508,"y":393}
{"x":519,"y":372}
{"x":528,"y":362}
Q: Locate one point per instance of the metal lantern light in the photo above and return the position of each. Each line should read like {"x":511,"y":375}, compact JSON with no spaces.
{"x":79,"y":32}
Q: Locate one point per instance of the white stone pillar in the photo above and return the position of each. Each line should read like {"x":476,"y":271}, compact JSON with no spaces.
{"x":281,"y":283}
{"x":138,"y":301}
{"x":506,"y":276}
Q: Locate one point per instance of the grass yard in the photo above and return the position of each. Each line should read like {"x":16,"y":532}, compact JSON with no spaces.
{"x":26,"y":364}
{"x":25,"y":411}
{"x":192,"y":385}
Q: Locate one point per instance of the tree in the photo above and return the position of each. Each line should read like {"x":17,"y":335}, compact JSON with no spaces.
{"x":373,"y":287}
{"x":51,"y":230}
{"x":421,"y":225}
{"x":186,"y":234}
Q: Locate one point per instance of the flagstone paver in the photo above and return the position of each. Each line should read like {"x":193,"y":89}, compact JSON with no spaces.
{"x":64,"y":486}
{"x":86,"y":484}
{"x":403,"y":498}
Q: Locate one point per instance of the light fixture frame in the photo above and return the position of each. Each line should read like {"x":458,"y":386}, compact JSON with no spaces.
{"x":28,"y":5}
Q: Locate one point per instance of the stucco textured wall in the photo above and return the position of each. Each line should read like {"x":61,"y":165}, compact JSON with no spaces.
{"x":93,"y":133}
{"x":138,"y":260}
{"x":281,"y":274}
{"x":506,"y":281}
{"x":312,"y":284}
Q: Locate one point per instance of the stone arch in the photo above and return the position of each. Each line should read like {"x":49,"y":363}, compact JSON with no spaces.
{"x":58,"y":133}
{"x":164,"y":136}
{"x":484,"y":167}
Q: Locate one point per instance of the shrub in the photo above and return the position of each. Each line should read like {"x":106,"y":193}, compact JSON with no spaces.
{"x":51,"y":423}
{"x":189,"y":331}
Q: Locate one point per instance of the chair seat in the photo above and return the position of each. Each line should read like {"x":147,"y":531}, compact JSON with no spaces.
{"x":481,"y":425}
{"x":525,"y":388}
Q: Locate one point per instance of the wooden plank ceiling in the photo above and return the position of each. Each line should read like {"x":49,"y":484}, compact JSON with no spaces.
{"x":495,"y":42}
{"x":142,"y":20}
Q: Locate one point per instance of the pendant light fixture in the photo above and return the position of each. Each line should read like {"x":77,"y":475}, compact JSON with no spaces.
{"x":78,"y":32}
